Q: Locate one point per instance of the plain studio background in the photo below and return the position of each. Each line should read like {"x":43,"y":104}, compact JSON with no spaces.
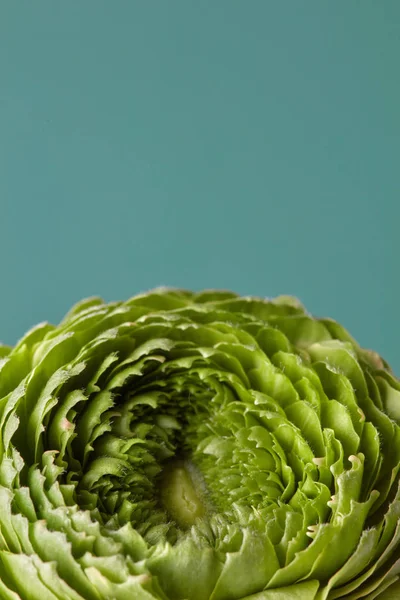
{"x":250,"y":145}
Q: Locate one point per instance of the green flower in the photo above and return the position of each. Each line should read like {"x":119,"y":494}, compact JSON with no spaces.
{"x":206,"y":446}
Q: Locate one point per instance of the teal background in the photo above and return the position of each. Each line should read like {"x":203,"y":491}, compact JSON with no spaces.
{"x":250,"y":145}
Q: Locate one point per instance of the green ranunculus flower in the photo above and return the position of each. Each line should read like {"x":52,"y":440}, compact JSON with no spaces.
{"x":199,"y":447}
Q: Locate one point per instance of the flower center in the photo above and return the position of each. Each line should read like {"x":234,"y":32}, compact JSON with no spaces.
{"x":182,"y":493}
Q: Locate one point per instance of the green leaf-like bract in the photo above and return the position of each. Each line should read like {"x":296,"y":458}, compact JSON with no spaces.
{"x":183,"y":446}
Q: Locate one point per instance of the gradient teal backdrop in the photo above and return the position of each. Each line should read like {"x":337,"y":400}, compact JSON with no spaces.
{"x":251,"y":145}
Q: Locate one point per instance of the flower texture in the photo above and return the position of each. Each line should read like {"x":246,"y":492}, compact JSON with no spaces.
{"x":197,"y":446}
